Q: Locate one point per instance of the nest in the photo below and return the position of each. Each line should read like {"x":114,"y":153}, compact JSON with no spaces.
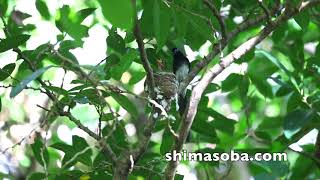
{"x":166,"y":88}
{"x":166,"y":84}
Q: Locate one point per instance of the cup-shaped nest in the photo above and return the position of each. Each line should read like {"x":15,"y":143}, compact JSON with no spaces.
{"x":166,"y":85}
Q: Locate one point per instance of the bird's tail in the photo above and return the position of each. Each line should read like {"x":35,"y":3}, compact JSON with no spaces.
{"x":182,"y":101}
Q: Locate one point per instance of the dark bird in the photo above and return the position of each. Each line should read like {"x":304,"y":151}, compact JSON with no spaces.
{"x":181,"y":68}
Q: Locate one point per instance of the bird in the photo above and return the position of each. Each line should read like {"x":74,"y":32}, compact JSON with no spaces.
{"x":181,"y":68}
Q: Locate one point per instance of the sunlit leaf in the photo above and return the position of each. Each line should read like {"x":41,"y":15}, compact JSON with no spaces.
{"x":118,"y":12}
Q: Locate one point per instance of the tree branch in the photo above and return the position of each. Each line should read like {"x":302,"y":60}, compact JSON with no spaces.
{"x":196,"y":93}
{"x":143,"y":54}
{"x":217,"y":14}
{"x":220,"y":46}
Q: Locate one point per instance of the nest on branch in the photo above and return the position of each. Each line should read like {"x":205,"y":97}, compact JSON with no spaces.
{"x":166,"y":88}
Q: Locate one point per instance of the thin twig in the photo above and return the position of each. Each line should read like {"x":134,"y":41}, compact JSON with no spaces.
{"x":217,"y":14}
{"x":265,"y":10}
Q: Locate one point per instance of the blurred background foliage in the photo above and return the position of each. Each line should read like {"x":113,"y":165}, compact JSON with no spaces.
{"x":268,"y":101}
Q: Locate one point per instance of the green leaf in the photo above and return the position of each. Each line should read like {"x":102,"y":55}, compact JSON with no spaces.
{"x":181,"y":22}
{"x":161,"y":22}
{"x":62,"y":147}
{"x":259,"y":70}
{"x":231,"y":82}
{"x":212,"y":87}
{"x":167,"y":141}
{"x":201,"y":27}
{"x":57,"y":90}
{"x":36,"y":176}
{"x":3,"y":7}
{"x":69,"y":23}
{"x":40,"y":152}
{"x":296,"y":120}
{"x":284,"y":90}
{"x":220,"y":122}
{"x":84,"y":13}
{"x":0,"y":105}
{"x":118,"y":12}
{"x":79,"y":144}
{"x":203,"y":127}
{"x":43,"y":9}
{"x":124,"y":64}
{"x":116,"y":42}
{"x":125,"y":103}
{"x":303,"y":20}
{"x":13,"y":42}
{"x":244,"y":86}
{"x":6,"y":71}
{"x":17,"y":89}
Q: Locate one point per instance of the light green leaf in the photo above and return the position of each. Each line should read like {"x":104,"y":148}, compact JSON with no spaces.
{"x":118,"y":12}
{"x":13,"y":42}
{"x":17,"y":89}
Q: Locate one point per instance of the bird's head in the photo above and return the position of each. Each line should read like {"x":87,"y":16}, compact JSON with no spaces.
{"x":175,"y":51}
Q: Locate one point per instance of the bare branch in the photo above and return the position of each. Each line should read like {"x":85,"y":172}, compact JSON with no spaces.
{"x":143,"y":54}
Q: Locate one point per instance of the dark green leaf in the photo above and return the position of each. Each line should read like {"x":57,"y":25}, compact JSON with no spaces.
{"x":3,"y":7}
{"x":62,"y":147}
{"x":6,"y":71}
{"x":0,"y":105}
{"x":57,"y":90}
{"x":125,"y":103}
{"x":43,"y":9}
{"x":167,"y":141}
{"x":13,"y":42}
{"x":231,"y":82}
{"x":40,"y":152}
{"x":118,"y":12}
{"x":244,"y":86}
{"x":303,"y":20}
{"x":79,"y":144}
{"x":284,"y":90}
{"x":212,"y":87}
{"x":84,"y":13}
{"x":17,"y":89}
{"x":116,"y":42}
{"x":296,"y":120}
{"x":124,"y":64}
